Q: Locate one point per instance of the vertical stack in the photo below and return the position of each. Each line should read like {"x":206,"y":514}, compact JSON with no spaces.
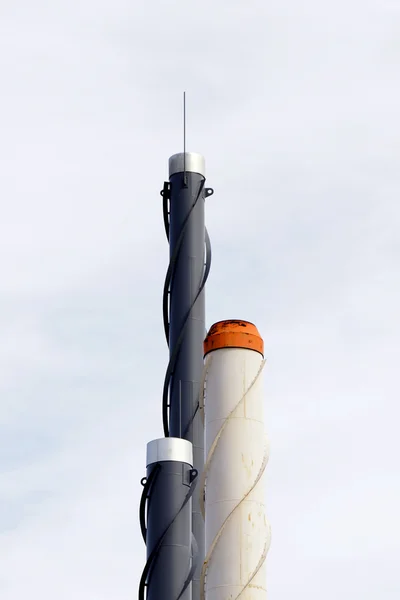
{"x":173,"y":569}
{"x":233,"y":484}
{"x":189,"y":270}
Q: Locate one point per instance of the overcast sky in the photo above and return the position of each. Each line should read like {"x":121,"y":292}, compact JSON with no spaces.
{"x":295,"y":105}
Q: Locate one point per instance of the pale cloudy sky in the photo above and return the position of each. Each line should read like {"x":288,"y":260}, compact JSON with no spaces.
{"x":295,"y":105}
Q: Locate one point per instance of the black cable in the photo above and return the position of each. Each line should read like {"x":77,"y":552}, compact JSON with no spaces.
{"x":145,"y":495}
{"x":174,"y":257}
{"x":168,"y":278}
{"x":165,"y":197}
{"x":175,"y":353}
{"x":154,"y":553}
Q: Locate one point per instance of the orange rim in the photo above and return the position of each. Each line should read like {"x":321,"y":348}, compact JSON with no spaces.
{"x":233,"y":334}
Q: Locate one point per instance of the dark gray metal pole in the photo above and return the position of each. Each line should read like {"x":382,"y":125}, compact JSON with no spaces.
{"x":187,"y":316}
{"x":167,"y":501}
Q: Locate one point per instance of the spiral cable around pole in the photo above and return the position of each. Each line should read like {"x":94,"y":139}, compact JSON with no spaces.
{"x":166,"y":293}
{"x":147,"y":483}
{"x":145,"y":579}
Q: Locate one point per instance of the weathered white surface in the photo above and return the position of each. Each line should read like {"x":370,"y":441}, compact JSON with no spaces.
{"x":236,"y":527}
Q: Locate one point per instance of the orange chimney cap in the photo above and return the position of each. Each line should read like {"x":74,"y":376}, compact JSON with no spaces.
{"x":233,"y":333}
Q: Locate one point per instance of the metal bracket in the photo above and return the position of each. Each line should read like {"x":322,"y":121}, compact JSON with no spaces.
{"x":166,"y":191}
{"x":193,"y":474}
